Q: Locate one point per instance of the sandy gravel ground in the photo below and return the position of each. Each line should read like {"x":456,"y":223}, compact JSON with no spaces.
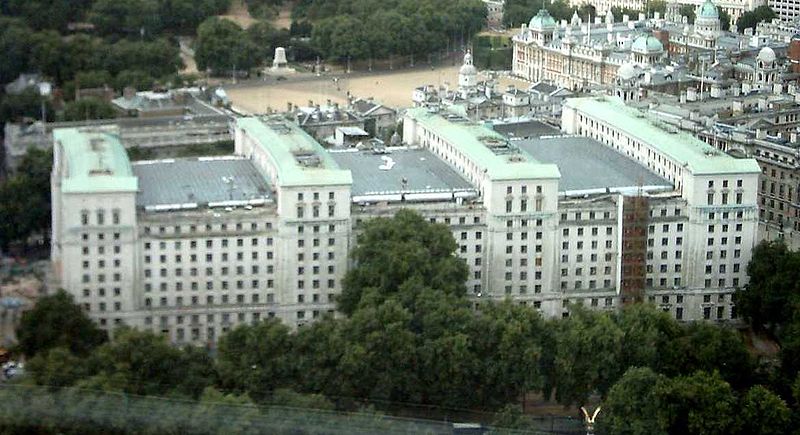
{"x":392,"y":89}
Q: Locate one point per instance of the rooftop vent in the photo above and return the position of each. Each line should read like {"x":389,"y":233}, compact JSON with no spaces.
{"x":96,"y":143}
{"x":498,"y":146}
{"x":307,"y":159}
{"x":280,"y":128}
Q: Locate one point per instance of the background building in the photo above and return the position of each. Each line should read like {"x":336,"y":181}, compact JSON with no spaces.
{"x":614,"y":209}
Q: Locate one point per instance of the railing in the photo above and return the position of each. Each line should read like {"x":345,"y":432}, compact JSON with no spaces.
{"x":41,"y":409}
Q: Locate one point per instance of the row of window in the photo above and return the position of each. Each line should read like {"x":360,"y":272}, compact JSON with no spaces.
{"x":239,"y":284}
{"x":594,"y":231}
{"x":239,"y":226}
{"x":255,"y":298}
{"x":565,"y":245}
{"x":315,"y":196}
{"x":100,"y":217}
{"x":724,"y":198}
{"x":578,"y":285}
{"x":523,"y":190}
{"x":315,"y":211}
{"x":209,"y":243}
{"x":578,"y":215}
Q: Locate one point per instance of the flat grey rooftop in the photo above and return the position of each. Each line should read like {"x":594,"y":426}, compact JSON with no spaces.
{"x":423,"y":171}
{"x":587,"y":164}
{"x":525,"y":129}
{"x":198,"y":180}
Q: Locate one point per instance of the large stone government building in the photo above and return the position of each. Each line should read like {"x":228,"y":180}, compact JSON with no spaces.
{"x":613,"y":209}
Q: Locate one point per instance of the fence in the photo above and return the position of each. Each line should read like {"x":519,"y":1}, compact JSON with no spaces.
{"x":37,"y":409}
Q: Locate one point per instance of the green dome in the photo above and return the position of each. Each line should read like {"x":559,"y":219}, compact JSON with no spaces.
{"x":542,"y":21}
{"x":708,"y":10}
{"x":647,"y":43}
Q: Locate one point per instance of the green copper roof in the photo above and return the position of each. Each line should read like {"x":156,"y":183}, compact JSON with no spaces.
{"x":684,"y":148}
{"x":286,"y":144}
{"x":94,"y":161}
{"x":476,"y":140}
{"x":708,"y":10}
{"x":647,"y":43}
{"x":542,"y":21}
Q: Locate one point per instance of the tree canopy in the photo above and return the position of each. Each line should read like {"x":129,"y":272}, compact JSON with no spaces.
{"x":411,"y":338}
{"x":772,"y":297}
{"x":750,"y":19}
{"x":25,"y":199}
{"x":362,"y":29}
{"x":400,"y":256}
{"x":56,"y":321}
{"x":223,"y":46}
{"x":88,"y":108}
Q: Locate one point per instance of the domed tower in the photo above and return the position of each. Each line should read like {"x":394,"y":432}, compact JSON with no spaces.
{"x":647,"y":50}
{"x":542,"y":26}
{"x":707,"y":22}
{"x":468,"y":74}
{"x":626,"y":83}
{"x":766,"y":69}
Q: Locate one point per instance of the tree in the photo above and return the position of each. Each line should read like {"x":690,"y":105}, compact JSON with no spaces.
{"x":688,"y":12}
{"x":27,"y":104}
{"x":391,"y":252}
{"x":789,"y":338}
{"x":724,"y":19}
{"x":267,"y":38}
{"x":140,"y":362}
{"x":25,"y":199}
{"x":132,"y":17}
{"x":263,"y":8}
{"x":648,"y":337}
{"x":653,"y":6}
{"x":92,"y":79}
{"x":290,"y":398}
{"x":344,"y":28}
{"x":764,"y":413}
{"x":702,"y":404}
{"x":255,"y":359}
{"x":15,"y":39}
{"x":49,"y":14}
{"x":56,"y":367}
{"x":46,"y":48}
{"x":632,"y":405}
{"x":88,"y":108}
{"x":56,"y":321}
{"x":772,"y":296}
{"x":380,"y":350}
{"x":137,"y":79}
{"x":709,"y":348}
{"x":222,"y":46}
{"x":517,"y":12}
{"x":512,"y":418}
{"x":587,"y":348}
{"x":318,"y":349}
{"x":505,"y":340}
{"x":751,"y":18}
{"x":587,"y":10}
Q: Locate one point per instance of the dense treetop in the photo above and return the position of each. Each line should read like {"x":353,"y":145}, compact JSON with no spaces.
{"x":411,"y":338}
{"x":363,"y":29}
{"x":751,"y":18}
